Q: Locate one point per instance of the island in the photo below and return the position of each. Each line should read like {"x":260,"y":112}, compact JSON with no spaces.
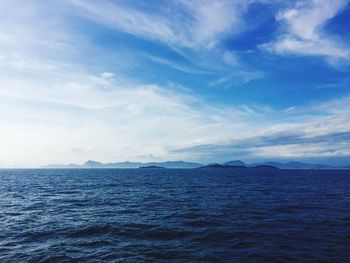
{"x":222,"y":166}
{"x":151,"y":167}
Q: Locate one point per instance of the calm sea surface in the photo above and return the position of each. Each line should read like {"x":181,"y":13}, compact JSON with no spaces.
{"x":174,"y":215}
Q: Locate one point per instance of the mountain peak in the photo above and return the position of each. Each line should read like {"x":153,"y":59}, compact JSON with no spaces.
{"x":92,"y":163}
{"x":235,"y":163}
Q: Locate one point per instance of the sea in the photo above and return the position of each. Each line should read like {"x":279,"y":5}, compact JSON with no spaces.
{"x":174,"y":215}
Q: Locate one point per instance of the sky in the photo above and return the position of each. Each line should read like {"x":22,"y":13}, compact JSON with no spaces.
{"x":200,"y":80}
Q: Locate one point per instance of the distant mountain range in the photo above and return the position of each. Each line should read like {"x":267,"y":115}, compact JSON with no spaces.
{"x":287,"y":165}
{"x":121,"y":165}
{"x":297,"y":165}
{"x":235,"y":163}
{"x":237,"y":167}
{"x":189,"y":165}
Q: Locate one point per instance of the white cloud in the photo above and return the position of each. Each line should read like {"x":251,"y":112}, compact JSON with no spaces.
{"x":193,"y":29}
{"x":51,"y":105}
{"x":230,"y":58}
{"x":194,"y":24}
{"x":213,"y":20}
{"x":237,"y":78}
{"x":302,"y":151}
{"x":17,"y":61}
{"x":315,"y":131}
{"x":107,"y":75}
{"x":130,"y":20}
{"x":108,"y":118}
{"x":177,"y":66}
{"x":304,"y":32}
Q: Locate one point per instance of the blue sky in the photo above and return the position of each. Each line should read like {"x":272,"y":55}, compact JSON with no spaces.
{"x":199,"y":80}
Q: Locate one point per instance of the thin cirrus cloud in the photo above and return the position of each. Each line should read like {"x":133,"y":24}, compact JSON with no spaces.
{"x":193,"y":24}
{"x":109,"y":119}
{"x":193,"y":29}
{"x":324,"y":135}
{"x":299,"y":141}
{"x":51,"y":105}
{"x":303,"y":30}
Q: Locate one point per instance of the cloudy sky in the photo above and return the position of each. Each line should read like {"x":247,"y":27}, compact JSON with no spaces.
{"x":173,"y":79}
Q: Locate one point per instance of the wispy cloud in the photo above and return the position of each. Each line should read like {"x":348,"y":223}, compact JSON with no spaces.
{"x":194,"y":24}
{"x":212,"y":20}
{"x":303,"y":30}
{"x":194,"y":29}
{"x":237,"y":78}
{"x":192,"y":69}
{"x":326,"y":133}
{"x":105,"y":116}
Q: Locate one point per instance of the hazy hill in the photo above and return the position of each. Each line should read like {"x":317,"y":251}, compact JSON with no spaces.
{"x":295,"y":165}
{"x":190,"y":165}
{"x":126,"y":165}
{"x":235,"y":163}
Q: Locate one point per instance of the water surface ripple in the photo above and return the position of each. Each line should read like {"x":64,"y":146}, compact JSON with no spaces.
{"x":174,"y":216}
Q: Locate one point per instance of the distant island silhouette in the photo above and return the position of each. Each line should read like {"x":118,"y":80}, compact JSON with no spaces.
{"x":151,"y":167}
{"x":223,"y":166}
{"x":234,"y":164}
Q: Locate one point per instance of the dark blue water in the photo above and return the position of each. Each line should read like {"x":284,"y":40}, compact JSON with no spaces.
{"x":174,"y":215}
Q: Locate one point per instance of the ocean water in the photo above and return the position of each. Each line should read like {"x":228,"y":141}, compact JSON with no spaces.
{"x":174,"y":215}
